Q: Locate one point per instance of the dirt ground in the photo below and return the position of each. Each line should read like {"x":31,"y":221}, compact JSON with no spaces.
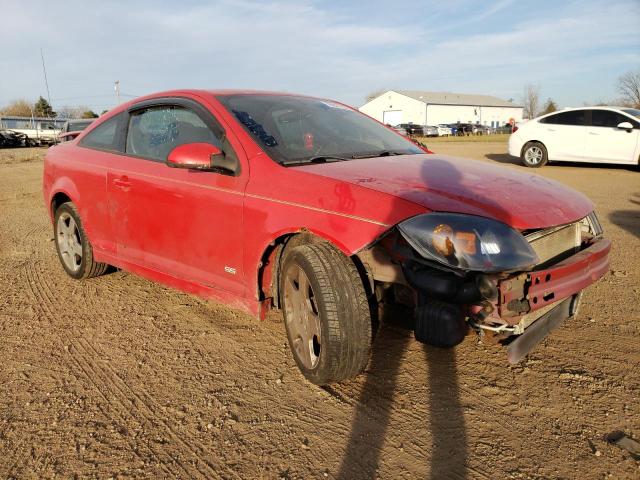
{"x":117,"y":377}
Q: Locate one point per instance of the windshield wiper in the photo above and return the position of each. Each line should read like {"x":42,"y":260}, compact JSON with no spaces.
{"x":316,"y":159}
{"x":383,"y":153}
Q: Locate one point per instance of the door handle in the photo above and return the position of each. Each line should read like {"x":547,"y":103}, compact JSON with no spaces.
{"x":122,"y":182}
{"x":551,"y":129}
{"x":593,"y":133}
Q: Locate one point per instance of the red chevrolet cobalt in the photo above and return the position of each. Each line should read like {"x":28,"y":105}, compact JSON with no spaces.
{"x":264,"y":200}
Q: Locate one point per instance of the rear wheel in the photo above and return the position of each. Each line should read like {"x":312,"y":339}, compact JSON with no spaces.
{"x":326,"y":313}
{"x":534,"y":155}
{"x":74,"y":250}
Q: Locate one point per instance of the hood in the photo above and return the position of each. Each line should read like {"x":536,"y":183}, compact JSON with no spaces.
{"x":447,"y":184}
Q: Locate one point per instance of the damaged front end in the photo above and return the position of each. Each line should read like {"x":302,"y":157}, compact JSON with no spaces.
{"x":459,"y":271}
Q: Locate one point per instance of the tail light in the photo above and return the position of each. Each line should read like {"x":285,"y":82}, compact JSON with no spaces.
{"x":514,"y":129}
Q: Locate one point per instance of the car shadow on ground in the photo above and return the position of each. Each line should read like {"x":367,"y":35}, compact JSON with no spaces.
{"x":446,"y":424}
{"x":629,"y":220}
{"x":448,"y":454}
{"x":503,"y":158}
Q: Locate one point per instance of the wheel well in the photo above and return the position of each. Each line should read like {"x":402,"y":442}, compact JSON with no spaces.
{"x":57,"y":200}
{"x":269,"y":267}
{"x":271,"y":261}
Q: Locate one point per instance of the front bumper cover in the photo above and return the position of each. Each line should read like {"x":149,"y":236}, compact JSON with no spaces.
{"x":523,"y":344}
{"x":534,"y":290}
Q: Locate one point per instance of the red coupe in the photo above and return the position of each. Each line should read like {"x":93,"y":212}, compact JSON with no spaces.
{"x":264,"y":200}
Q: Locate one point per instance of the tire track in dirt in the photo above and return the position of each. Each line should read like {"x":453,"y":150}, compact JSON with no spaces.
{"x":45,"y":306}
{"x":86,"y":368}
{"x":142,"y":403}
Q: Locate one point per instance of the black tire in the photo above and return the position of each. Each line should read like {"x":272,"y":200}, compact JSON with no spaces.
{"x":342,"y":307}
{"x":87,"y":267}
{"x":534,"y":155}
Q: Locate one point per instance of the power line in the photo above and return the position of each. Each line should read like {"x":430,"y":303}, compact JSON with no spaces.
{"x":92,"y":96}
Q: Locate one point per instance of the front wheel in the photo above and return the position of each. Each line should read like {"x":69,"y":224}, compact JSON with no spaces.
{"x":326,"y":313}
{"x":534,"y":155}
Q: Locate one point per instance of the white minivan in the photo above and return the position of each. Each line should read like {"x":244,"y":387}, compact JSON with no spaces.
{"x":593,"y":134}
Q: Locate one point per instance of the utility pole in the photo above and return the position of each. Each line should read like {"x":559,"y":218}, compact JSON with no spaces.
{"x":46,"y":83}
{"x":117,"y":88}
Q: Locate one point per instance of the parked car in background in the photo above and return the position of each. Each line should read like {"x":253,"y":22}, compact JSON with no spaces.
{"x":263,"y":200}
{"x":39,"y":130}
{"x":413,"y":129}
{"x":72,"y":128}
{"x":464,"y":129}
{"x":430,"y":131}
{"x":398,"y":129}
{"x":592,"y":135}
{"x":444,"y":130}
{"x":11,"y":139}
{"x":454,"y":128}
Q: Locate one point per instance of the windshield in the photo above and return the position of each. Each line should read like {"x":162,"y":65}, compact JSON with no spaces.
{"x":632,"y":111}
{"x":301,"y":130}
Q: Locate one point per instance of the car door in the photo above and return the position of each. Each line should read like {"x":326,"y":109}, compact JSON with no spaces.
{"x":185,"y":223}
{"x":564,"y":135}
{"x":99,"y":148}
{"x":606,"y":142}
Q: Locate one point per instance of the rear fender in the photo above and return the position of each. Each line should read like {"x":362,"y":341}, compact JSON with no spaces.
{"x":65,"y":186}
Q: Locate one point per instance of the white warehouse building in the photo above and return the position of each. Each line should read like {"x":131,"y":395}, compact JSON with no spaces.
{"x":394,"y":107}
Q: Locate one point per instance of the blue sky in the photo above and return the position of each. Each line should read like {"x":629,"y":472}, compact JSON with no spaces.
{"x":574,"y":50}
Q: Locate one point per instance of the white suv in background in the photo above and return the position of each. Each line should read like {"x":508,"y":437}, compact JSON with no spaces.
{"x":593,"y":134}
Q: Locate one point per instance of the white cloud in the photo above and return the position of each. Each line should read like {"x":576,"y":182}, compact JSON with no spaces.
{"x":308,"y":47}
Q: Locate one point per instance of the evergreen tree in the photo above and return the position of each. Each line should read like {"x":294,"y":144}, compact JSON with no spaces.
{"x":549,"y":107}
{"x":43,"y":109}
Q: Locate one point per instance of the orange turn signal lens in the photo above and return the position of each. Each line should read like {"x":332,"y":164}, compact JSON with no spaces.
{"x":466,"y":242}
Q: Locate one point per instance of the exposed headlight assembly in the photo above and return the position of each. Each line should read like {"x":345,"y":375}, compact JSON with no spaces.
{"x":468,"y":242}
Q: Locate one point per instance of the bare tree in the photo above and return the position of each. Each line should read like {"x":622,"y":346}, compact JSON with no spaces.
{"x":19,"y":108}
{"x":531,"y":100}
{"x":69,"y":111}
{"x":629,"y":88}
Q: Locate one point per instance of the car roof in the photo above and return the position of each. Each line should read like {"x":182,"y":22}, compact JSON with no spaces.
{"x":218,"y":93}
{"x":203,"y":92}
{"x":573,"y":109}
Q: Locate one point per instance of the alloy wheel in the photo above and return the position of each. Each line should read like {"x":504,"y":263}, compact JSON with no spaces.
{"x":69,"y":242}
{"x":533,"y":155}
{"x":303,"y":320}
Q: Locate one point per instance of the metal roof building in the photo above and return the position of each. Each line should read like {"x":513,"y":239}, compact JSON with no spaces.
{"x":433,"y":108}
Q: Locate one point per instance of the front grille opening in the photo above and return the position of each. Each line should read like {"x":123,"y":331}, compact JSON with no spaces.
{"x":553,"y":245}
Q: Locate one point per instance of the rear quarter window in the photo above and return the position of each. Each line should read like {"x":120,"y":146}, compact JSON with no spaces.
{"x":105,"y":136}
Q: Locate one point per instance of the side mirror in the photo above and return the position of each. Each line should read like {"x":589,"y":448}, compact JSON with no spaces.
{"x":625,"y":126}
{"x":201,"y":156}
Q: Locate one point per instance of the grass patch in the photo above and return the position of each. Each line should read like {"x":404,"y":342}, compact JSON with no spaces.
{"x":495,"y":138}
{"x":10,"y":156}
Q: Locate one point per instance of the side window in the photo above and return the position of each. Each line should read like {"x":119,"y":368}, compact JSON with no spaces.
{"x":574,"y":117}
{"x":104,"y":136}
{"x":155,"y":131}
{"x":607,"y":118}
